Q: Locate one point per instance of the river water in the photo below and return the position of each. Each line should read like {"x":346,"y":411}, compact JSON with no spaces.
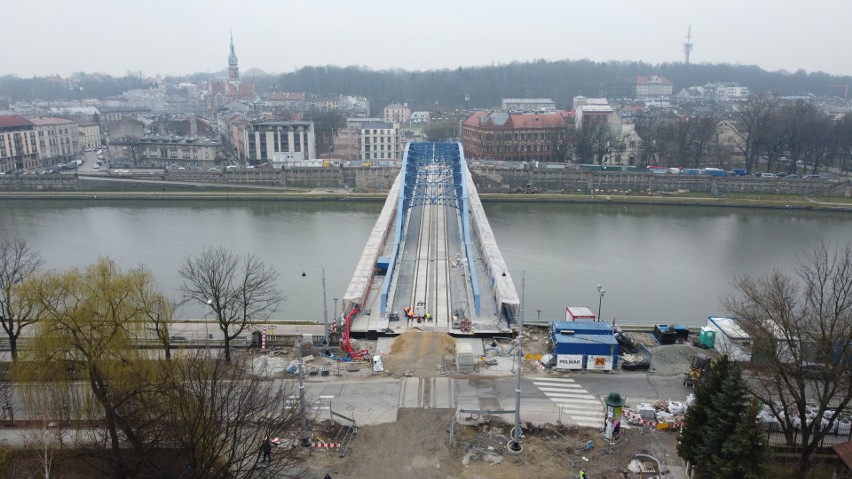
{"x":657,"y":264}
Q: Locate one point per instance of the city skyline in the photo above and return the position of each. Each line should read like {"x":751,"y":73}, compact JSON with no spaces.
{"x":178,"y":38}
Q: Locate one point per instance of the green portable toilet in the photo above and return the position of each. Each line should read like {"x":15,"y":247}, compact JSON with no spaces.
{"x":707,"y":337}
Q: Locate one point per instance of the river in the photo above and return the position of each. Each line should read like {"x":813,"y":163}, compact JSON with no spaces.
{"x":657,"y":264}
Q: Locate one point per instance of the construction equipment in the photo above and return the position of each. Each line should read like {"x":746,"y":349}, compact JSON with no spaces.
{"x":698,"y":366}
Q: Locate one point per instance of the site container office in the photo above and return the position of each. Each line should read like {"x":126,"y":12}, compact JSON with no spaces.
{"x":731,"y":339}
{"x":573,"y":313}
{"x":585,"y":345}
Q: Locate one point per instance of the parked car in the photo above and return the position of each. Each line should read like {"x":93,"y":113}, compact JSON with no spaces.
{"x":768,"y":175}
{"x":792,"y":177}
{"x":812,"y":177}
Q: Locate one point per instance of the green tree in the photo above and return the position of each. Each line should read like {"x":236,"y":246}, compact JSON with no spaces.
{"x":93,"y":320}
{"x":721,"y":438}
{"x":240,"y":291}
{"x":18,"y":309}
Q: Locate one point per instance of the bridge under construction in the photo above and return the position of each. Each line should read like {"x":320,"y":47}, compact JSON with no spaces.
{"x":431,"y":261}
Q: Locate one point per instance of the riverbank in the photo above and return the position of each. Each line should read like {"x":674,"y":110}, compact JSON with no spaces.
{"x":330,"y":194}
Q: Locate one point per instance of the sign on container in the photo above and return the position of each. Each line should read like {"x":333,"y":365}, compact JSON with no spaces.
{"x":569,"y":361}
{"x":599,"y":362}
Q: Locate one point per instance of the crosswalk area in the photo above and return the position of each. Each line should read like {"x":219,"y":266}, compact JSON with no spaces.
{"x":577,"y":406}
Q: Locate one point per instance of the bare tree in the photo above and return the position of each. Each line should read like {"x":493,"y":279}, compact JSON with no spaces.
{"x":221,"y":415}
{"x":18,"y":262}
{"x":240,"y":291}
{"x":754,"y":122}
{"x":801,"y":330}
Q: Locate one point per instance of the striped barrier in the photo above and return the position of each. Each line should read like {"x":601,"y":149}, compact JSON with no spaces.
{"x":326,"y":445}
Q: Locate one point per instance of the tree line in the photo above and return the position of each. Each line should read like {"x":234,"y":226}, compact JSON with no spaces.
{"x":101,"y":403}
{"x":446,"y":89}
{"x":768,"y":133}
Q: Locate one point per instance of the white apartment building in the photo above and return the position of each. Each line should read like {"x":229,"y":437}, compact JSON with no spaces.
{"x":18,"y":150}
{"x":57,"y":140}
{"x":277,"y":142}
{"x":381,"y":141}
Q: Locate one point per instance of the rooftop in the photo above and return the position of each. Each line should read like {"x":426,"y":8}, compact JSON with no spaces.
{"x":10,"y":121}
{"x":44,"y":121}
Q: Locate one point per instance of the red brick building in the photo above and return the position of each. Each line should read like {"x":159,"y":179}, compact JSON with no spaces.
{"x":517,"y":137}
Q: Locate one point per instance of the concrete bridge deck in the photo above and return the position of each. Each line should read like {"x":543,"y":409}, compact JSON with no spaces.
{"x":432,"y":251}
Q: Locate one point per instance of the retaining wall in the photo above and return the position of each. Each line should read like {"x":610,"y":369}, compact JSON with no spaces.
{"x":487,"y":180}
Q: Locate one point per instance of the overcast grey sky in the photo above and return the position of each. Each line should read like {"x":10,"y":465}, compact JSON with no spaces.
{"x":42,"y":37}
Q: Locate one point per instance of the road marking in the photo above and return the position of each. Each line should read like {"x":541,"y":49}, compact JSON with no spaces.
{"x":547,"y":387}
{"x":554,"y":380}
{"x":576,"y":405}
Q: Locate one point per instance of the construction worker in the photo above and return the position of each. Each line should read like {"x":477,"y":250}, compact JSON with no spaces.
{"x":428,"y":317}
{"x":582,"y":474}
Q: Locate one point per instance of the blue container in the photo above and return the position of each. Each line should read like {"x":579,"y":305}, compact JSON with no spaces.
{"x":382,"y":263}
{"x":582,"y":327}
{"x":586,"y":344}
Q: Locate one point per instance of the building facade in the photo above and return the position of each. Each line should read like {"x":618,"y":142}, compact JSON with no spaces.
{"x":276,"y":142}
{"x":515,"y":137}
{"x":652,"y":86}
{"x":381,"y":141}
{"x":527,"y":104}
{"x":419,"y":117}
{"x":347,"y":144}
{"x":396,"y":113}
{"x":18,"y":145}
{"x":586,"y":115}
{"x":90,"y":134}
{"x":125,"y":128}
{"x":57,"y":140}
{"x":172,"y":152}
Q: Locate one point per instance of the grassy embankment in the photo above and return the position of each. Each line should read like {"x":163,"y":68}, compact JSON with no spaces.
{"x":323,"y":194}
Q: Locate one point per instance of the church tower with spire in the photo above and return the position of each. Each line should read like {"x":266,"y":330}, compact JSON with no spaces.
{"x":233,"y":67}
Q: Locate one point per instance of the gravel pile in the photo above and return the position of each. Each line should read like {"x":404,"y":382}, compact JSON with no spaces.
{"x":673,"y":359}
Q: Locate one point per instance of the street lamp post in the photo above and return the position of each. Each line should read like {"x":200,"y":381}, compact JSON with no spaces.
{"x":514,"y":446}
{"x":324,"y":306}
{"x":206,"y":332}
{"x":324,"y":309}
{"x":601,"y":293}
{"x":306,"y":441}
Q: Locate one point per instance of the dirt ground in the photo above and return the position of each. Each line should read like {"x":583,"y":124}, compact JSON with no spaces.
{"x":418,"y":444}
{"x":419,"y":353}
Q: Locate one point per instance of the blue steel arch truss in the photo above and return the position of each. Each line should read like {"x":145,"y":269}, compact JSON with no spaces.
{"x":433,"y":174}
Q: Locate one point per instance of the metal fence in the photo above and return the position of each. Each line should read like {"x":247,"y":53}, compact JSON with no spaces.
{"x":775,"y":436}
